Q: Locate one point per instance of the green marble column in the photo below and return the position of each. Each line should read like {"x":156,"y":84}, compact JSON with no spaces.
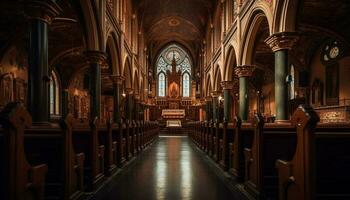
{"x":208,"y":103}
{"x":137,"y":107}
{"x":116,"y":102}
{"x":130,"y":104}
{"x":227,"y":87}
{"x":243,"y":98}
{"x":215,"y":107}
{"x":41,"y":15}
{"x":281,"y":43}
{"x":117,"y":84}
{"x":243,"y":73}
{"x":96,"y":59}
{"x":281,"y":86}
{"x":38,"y":70}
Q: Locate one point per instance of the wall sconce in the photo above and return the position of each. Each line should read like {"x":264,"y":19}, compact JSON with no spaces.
{"x":221,"y":99}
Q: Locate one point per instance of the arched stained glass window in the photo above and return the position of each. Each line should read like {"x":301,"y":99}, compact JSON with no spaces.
{"x":54,"y":95}
{"x":183,"y":64}
{"x":186,"y":85}
{"x":161,"y":85}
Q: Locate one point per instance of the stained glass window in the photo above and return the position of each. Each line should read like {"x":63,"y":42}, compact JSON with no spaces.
{"x":183,"y":64}
{"x":186,"y":85}
{"x":161,"y":85}
{"x":54,"y":94}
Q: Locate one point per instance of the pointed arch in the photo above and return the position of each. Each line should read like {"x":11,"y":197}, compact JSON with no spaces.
{"x":209,"y":86}
{"x":217,"y":78}
{"x":90,"y":25}
{"x":230,"y":63}
{"x":256,"y":19}
{"x":136,"y":82}
{"x":127,"y":73}
{"x":113,"y":48}
{"x":284,"y":19}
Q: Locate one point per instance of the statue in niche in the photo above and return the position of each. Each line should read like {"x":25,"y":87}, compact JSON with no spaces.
{"x":174,"y":90}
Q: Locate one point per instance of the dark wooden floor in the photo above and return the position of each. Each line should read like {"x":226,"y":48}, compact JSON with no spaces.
{"x":170,"y":169}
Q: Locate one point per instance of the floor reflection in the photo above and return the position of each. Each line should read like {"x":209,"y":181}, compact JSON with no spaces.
{"x":161,"y":173}
{"x":170,"y":169}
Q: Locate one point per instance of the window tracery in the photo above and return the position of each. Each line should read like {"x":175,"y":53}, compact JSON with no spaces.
{"x":183,"y":65}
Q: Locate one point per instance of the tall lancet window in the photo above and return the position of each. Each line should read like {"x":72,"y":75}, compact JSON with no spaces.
{"x":177,"y":56}
{"x":161,"y":84}
{"x":54,"y":88}
{"x":186,"y":85}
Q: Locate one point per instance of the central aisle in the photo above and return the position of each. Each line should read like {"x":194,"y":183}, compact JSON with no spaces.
{"x":170,"y":169}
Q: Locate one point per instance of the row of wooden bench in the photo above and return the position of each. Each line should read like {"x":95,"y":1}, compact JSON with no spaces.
{"x":297,"y":160}
{"x":66,"y":160}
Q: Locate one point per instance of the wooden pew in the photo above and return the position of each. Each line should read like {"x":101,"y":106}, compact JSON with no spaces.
{"x":227,"y":139}
{"x":319,"y":168}
{"x":52,"y":143}
{"x":19,"y":179}
{"x":220,"y":142}
{"x":271,"y":141}
{"x":117,"y":134}
{"x":127,"y":135}
{"x":86,"y":139}
{"x":110,"y":144}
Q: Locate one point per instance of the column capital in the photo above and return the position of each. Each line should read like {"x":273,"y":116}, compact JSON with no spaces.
{"x":207,"y":98}
{"x":282,"y":41}
{"x":42,"y":10}
{"x":244,"y":70}
{"x":129,"y":91}
{"x":117,"y":79}
{"x":215,"y":94}
{"x":227,"y":85}
{"x":97,"y":57}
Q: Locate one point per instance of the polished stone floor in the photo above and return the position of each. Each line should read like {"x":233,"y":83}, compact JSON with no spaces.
{"x":170,"y":169}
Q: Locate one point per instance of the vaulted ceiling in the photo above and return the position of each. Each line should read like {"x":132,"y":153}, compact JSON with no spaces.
{"x":181,"y":21}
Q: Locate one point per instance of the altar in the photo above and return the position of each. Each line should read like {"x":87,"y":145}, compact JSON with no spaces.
{"x":173,"y":113}
{"x":173,"y":117}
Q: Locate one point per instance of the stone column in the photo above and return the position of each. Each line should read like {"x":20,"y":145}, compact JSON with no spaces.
{"x":215,"y":103}
{"x":227,"y":87}
{"x":95,"y":59}
{"x":117,"y":84}
{"x":129,"y":104}
{"x":208,"y":115}
{"x":281,"y":43}
{"x":243,"y":72}
{"x":137,"y":106}
{"x":41,"y":14}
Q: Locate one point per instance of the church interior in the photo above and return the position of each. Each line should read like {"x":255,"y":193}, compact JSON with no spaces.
{"x":164,"y":99}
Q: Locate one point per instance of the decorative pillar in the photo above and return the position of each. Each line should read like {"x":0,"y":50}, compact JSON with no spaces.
{"x":243,"y":72}
{"x":129,"y":103}
{"x":41,"y":14}
{"x":281,"y":43}
{"x":137,"y":106}
{"x":207,"y":108}
{"x":215,"y":103}
{"x":227,"y":87}
{"x":117,"y":84}
{"x":95,"y":59}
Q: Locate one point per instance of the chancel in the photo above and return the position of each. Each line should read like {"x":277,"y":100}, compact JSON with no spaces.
{"x":185,"y":99}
